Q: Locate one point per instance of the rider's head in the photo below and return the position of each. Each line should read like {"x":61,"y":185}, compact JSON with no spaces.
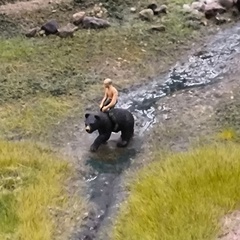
{"x":107,"y":82}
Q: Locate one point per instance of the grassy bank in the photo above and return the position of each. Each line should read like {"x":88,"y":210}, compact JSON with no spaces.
{"x":63,"y":69}
{"x":182,"y":197}
{"x":33,"y":193}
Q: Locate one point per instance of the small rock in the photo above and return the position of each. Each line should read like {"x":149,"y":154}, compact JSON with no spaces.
{"x":95,"y":23}
{"x":146,"y":14}
{"x":50,"y":27}
{"x":133,"y":9}
{"x":161,"y":9}
{"x":78,"y":17}
{"x":193,"y":24}
{"x":32,"y":32}
{"x":158,"y":28}
{"x":226,"y":3}
{"x":42,"y":33}
{"x":198,"y":6}
{"x":235,"y":12}
{"x":187,"y":8}
{"x":96,"y":9}
{"x":203,"y":22}
{"x":152,"y":6}
{"x":53,"y":11}
{"x":166,"y":117}
{"x":212,"y":9}
{"x":67,"y":31}
{"x":196,"y":15}
{"x":99,"y":14}
{"x":220,"y":20}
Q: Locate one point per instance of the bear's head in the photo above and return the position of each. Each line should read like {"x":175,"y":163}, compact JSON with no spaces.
{"x":92,"y":122}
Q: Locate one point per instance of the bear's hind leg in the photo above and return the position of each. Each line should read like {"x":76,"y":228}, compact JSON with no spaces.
{"x":125,"y":138}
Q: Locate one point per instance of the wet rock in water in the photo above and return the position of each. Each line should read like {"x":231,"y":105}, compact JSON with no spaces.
{"x":78,"y":17}
{"x":50,"y":27}
{"x":146,"y":14}
{"x":67,"y":31}
{"x":157,"y":28}
{"x":95,"y":23}
{"x":211,"y":9}
{"x":32,"y":32}
{"x":161,"y":9}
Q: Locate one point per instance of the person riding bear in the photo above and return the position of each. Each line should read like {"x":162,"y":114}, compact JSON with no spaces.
{"x":110,"y":98}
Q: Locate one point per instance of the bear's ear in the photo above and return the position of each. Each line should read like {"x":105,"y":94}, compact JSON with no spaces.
{"x":87,"y":115}
{"x":97,"y":117}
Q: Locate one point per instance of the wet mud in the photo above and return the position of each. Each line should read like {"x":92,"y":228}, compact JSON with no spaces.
{"x":106,"y":166}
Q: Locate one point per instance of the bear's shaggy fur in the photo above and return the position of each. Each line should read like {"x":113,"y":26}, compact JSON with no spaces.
{"x":115,"y":120}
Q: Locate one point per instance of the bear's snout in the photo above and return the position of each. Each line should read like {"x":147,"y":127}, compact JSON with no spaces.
{"x":88,"y":129}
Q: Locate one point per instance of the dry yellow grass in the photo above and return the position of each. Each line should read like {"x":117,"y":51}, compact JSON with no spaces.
{"x":182,"y":197}
{"x":32,"y":182}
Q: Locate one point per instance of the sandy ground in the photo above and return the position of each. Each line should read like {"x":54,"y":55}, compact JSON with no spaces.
{"x":28,"y":6}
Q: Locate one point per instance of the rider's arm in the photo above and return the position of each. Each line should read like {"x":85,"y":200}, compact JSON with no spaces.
{"x":104,"y":98}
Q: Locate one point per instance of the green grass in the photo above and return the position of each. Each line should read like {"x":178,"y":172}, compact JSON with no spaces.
{"x":36,"y":118}
{"x":182,"y":197}
{"x":32,"y":181}
{"x":63,"y":69}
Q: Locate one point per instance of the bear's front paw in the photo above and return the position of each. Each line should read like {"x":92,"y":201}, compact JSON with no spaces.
{"x":122,"y":143}
{"x":93,"y":148}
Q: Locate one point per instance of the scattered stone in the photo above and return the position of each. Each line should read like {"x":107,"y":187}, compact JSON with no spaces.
{"x":198,"y":6}
{"x":50,"y":27}
{"x":196,"y":15}
{"x":166,"y":117}
{"x":220,"y":20}
{"x":42,"y":33}
{"x":161,"y":9}
{"x":211,"y":9}
{"x":67,"y":31}
{"x":226,"y":3}
{"x":96,"y":9}
{"x":193,"y":24}
{"x":94,"y":23}
{"x":152,"y":6}
{"x":133,"y":9}
{"x":78,"y":17}
{"x":187,"y":8}
{"x":53,"y":11}
{"x":32,"y":32}
{"x":204,"y":22}
{"x":237,"y":4}
{"x":99,"y":14}
{"x":158,"y":28}
{"x":146,"y":14}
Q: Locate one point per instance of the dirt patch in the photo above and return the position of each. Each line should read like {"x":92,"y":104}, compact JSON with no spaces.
{"x":231,"y":227}
{"x":19,"y":7}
